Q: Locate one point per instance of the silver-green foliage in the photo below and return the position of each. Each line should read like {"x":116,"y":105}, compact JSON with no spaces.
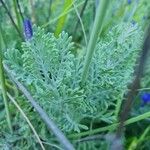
{"x":52,"y":73}
{"x":113,"y":65}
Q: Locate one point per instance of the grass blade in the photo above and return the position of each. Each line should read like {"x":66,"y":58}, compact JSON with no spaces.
{"x":94,"y":36}
{"x":28,"y":121}
{"x":2,"y":81}
{"x":61,"y":21}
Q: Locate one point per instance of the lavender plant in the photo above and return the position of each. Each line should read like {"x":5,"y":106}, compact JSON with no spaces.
{"x":52,"y":73}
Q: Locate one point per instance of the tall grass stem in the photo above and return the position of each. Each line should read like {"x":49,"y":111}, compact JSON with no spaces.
{"x":97,"y":27}
{"x":61,"y":21}
{"x":3,"y":86}
{"x":17,"y":14}
{"x":27,"y":120}
{"x":81,"y":22}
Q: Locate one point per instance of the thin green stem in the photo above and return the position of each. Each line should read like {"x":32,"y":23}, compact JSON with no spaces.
{"x":4,"y":92}
{"x":68,"y":10}
{"x":27,"y":120}
{"x":17,"y":14}
{"x":80,"y":20}
{"x":118,"y":106}
{"x":135,"y":84}
{"x":142,"y":137}
{"x":19,"y":9}
{"x":81,"y":14}
{"x":97,"y":27}
{"x":52,"y":145}
{"x":11,"y":19}
{"x":32,"y":9}
{"x":49,"y":10}
{"x":136,"y":142}
{"x":110,"y":127}
{"x":3,"y":39}
{"x":61,"y":21}
{"x":94,"y":131}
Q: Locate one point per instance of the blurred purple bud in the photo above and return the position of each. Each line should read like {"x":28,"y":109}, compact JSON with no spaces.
{"x":145,"y":98}
{"x":133,"y":22}
{"x":28,"y":29}
{"x":129,"y":1}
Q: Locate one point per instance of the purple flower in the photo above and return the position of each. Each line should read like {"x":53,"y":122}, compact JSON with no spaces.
{"x":28,"y":29}
{"x":129,"y":1}
{"x":145,"y":98}
{"x":133,"y":22}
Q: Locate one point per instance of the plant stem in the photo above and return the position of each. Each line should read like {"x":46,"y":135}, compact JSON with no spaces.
{"x":135,"y":84}
{"x":97,"y":27}
{"x":68,"y":10}
{"x":110,"y":127}
{"x":49,"y":10}
{"x":118,"y":106}
{"x":3,"y":38}
{"x":142,"y":137}
{"x":4,"y":92}
{"x":17,"y":14}
{"x":81,"y":14}
{"x":27,"y":120}
{"x":19,"y":9}
{"x":12,"y":20}
{"x":32,"y":11}
{"x":61,"y":21}
{"x":80,"y":20}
